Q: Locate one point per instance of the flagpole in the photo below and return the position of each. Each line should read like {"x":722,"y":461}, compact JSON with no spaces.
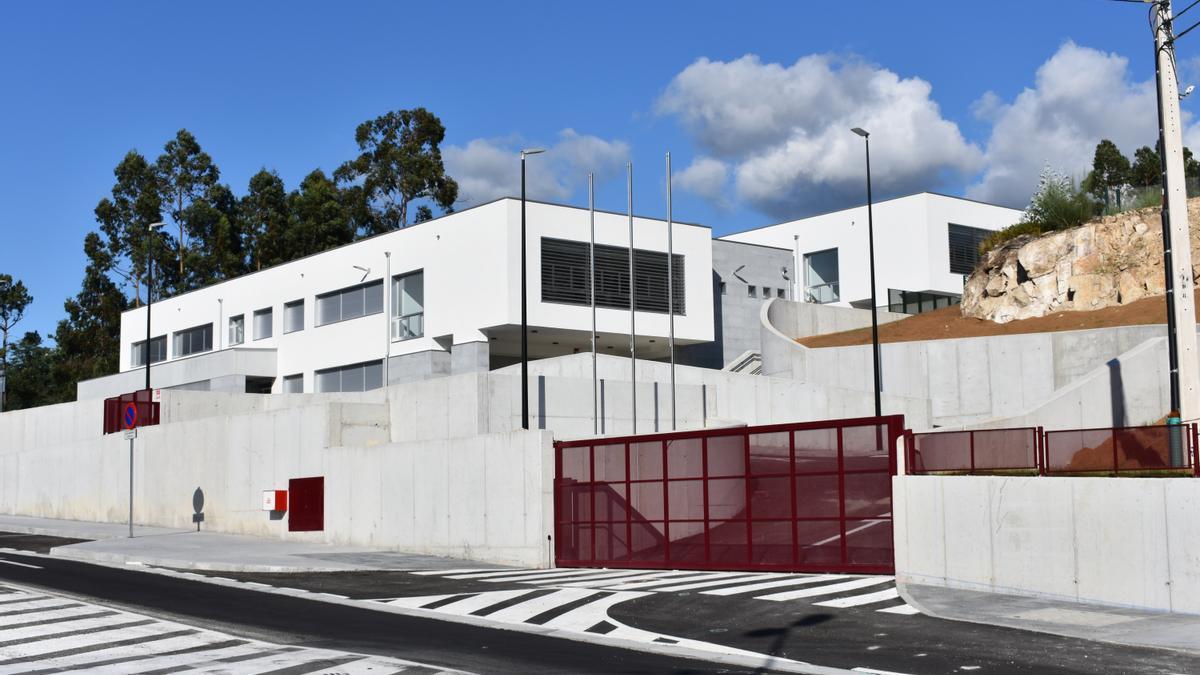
{"x":592,"y":287}
{"x":632,"y":303}
{"x":671,"y":289}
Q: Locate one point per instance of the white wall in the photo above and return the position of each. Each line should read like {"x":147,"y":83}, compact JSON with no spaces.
{"x":911,"y":242}
{"x":471,"y":264}
{"x":484,"y":497}
{"x":1133,"y":542}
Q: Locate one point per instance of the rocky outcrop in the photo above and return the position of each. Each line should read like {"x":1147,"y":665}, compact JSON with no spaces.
{"x":1111,"y":261}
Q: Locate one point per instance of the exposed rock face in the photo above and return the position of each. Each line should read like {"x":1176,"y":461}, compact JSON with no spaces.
{"x":1111,"y":261}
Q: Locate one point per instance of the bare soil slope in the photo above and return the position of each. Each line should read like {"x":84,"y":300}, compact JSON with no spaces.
{"x":950,"y":323}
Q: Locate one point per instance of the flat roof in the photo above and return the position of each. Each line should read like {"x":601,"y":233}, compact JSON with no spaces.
{"x":409,"y":227}
{"x":859,"y":206}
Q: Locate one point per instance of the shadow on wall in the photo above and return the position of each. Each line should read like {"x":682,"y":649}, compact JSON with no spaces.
{"x":1116,"y":388}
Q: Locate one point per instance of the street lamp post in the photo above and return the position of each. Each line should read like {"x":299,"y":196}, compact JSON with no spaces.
{"x":149,"y":284}
{"x":871,"y":246}
{"x":524,"y":301}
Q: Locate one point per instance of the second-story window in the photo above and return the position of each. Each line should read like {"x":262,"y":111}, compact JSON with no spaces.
{"x":237,"y":330}
{"x":350,"y":303}
{"x":193,"y":340}
{"x":408,"y":306}
{"x":263,"y":319}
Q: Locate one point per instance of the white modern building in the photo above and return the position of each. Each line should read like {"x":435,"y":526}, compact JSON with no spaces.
{"x":924,"y":245}
{"x":444,"y":296}
{"x":435,"y":298}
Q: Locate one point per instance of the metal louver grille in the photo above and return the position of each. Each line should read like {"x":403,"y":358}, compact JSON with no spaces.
{"x":566,"y":276}
{"x":964,"y":247}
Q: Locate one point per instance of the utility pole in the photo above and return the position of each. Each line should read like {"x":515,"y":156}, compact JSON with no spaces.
{"x":1177,"y":251}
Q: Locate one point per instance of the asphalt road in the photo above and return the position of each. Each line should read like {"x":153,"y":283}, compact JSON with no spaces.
{"x":297,"y":621}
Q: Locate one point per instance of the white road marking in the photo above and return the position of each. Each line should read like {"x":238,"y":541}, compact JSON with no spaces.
{"x":12,"y":562}
{"x":721,"y":580}
{"x":528,"y":609}
{"x":852,"y":585}
{"x":906,"y":610}
{"x":459,"y":571}
{"x":859,"y":600}
{"x":581,"y":577}
{"x":795,"y":581}
{"x":481,"y":600}
{"x":633,"y":576}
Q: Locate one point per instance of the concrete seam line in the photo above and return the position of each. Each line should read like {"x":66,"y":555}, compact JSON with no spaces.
{"x":771,"y":662}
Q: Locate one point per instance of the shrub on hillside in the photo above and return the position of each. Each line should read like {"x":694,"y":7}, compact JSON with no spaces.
{"x":1057,"y":205}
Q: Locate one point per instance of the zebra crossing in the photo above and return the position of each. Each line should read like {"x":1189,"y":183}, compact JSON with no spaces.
{"x":837,"y":591}
{"x":42,"y":634}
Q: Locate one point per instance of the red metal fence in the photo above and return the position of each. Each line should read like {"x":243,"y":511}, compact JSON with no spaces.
{"x":792,"y":497}
{"x":1144,"y":450}
{"x":975,"y":451}
{"x":114,"y":410}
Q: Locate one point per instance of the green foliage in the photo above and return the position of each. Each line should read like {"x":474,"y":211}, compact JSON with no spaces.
{"x":185,"y":175}
{"x":1057,"y":205}
{"x":265,"y":220}
{"x":1147,"y":167}
{"x":31,"y":374}
{"x":320,"y":218}
{"x":1110,"y":172}
{"x":400,"y":161}
{"x":14,"y":298}
{"x":1001,"y":237}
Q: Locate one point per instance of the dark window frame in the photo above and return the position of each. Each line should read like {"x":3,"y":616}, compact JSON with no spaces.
{"x":566,"y":276}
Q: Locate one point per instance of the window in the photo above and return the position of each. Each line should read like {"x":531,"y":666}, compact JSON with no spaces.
{"x":263,"y":320}
{"x":358,"y":377}
{"x":350,"y":303}
{"x":237,"y":329}
{"x":912,"y":302}
{"x":293,"y":316}
{"x":766,"y":292}
{"x":293,"y":384}
{"x":193,"y":340}
{"x":408,"y":305}
{"x":779,"y":292}
{"x":964,"y":247}
{"x":566,"y":276}
{"x":158,"y":351}
{"x":821,"y":276}
{"x":752,"y":291}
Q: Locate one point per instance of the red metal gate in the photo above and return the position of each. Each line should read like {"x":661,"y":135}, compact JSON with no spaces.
{"x":808,"y":497}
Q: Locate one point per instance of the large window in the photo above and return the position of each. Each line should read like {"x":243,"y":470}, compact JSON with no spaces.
{"x":350,"y":303}
{"x":964,"y":247}
{"x":193,"y":340}
{"x":566,"y":276}
{"x":293,"y":316}
{"x":263,"y":320}
{"x":358,"y":377}
{"x":408,"y":306}
{"x":821,"y":277}
{"x":237,"y":329}
{"x":912,"y":302}
{"x":158,"y":351}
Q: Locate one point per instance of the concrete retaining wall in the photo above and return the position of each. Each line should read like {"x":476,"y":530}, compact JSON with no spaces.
{"x":484,"y":497}
{"x":1132,"y":542}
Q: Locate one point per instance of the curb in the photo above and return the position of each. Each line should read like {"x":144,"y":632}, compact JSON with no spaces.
{"x":105,"y":557}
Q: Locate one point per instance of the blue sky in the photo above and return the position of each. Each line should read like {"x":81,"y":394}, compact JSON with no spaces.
{"x":751,"y":99}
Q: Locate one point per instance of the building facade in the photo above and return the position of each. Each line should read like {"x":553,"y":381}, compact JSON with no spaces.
{"x":924,"y":246}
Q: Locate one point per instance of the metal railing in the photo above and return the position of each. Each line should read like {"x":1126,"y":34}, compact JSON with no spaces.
{"x":1156,"y":450}
{"x":822,"y":293}
{"x":408,"y":326}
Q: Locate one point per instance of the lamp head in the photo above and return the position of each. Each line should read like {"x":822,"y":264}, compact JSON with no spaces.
{"x":155,"y":226}
{"x":531,"y":151}
{"x":860,"y":132}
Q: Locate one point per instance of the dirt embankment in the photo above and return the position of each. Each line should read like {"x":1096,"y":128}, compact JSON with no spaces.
{"x":949,"y":323}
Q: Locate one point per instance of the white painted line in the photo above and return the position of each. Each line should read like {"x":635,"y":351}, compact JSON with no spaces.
{"x":10,"y":562}
{"x":45,"y":604}
{"x":610,"y":581}
{"x":852,"y":585}
{"x":583,"y":618}
{"x":578,"y":576}
{"x":664,"y":580}
{"x":906,"y":610}
{"x":859,"y":600}
{"x":86,"y":660}
{"x":458,"y":571}
{"x":721,"y":580}
{"x":523,"y":574}
{"x":480,"y":600}
{"x":110,"y":622}
{"x":795,"y":581}
{"x":415,"y":602}
{"x":39,"y":616}
{"x":528,"y":609}
{"x":875,"y":671}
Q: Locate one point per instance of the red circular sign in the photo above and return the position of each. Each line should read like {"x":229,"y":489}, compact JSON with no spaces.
{"x":130,"y":416}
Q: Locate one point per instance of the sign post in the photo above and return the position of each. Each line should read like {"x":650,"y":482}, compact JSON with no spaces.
{"x":129,"y":420}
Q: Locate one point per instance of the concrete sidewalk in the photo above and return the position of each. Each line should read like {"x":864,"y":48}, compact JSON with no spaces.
{"x":1104,"y":623}
{"x":188,"y":549}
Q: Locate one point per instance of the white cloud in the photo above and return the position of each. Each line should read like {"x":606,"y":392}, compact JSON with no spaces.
{"x":1080,"y":96}
{"x":706,"y":177}
{"x":785,"y":130}
{"x":489,"y":168}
